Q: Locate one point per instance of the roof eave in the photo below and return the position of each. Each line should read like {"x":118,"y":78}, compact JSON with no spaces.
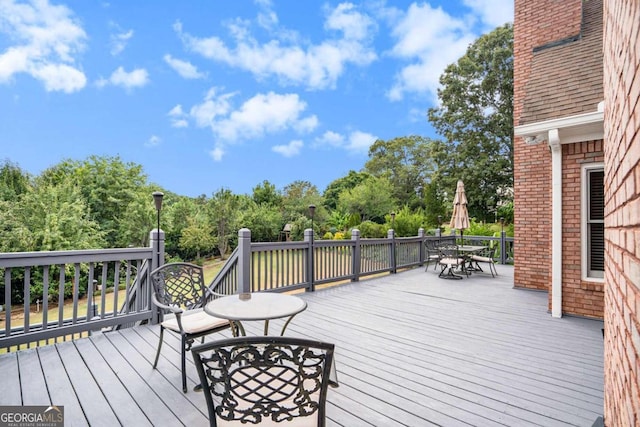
{"x":576,"y":128}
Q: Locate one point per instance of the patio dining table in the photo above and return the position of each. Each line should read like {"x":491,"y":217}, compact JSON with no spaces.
{"x":256,"y":306}
{"x":467,"y":251}
{"x":263,"y":306}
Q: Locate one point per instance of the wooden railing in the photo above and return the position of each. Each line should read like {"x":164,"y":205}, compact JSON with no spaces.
{"x":252,"y":267}
{"x":107,"y":281}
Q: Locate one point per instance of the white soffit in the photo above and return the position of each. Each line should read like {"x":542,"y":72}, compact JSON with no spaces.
{"x":581,"y":127}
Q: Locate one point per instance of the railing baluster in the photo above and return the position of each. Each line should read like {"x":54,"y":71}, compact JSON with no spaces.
{"x":45,"y":297}
{"x":76,"y":286}
{"x":116,"y":287}
{"x":7,"y":302}
{"x":90,"y":290}
{"x":103,"y":289}
{"x":27,"y":298}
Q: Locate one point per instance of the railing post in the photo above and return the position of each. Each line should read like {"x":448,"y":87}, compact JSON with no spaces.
{"x":244,"y":262}
{"x":156,"y":241}
{"x":355,"y":260}
{"x":503,"y":247}
{"x":391,"y":234}
{"x":308,"y":237}
{"x":421,"y":249}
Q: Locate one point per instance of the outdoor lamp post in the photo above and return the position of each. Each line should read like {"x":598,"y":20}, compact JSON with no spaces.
{"x":312,"y":212}
{"x":393,"y":221}
{"x":439,"y":231}
{"x":157,"y":198}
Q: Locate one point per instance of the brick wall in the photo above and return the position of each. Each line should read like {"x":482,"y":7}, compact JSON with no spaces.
{"x":536,"y":23}
{"x":584,"y":298}
{"x":622,"y":211}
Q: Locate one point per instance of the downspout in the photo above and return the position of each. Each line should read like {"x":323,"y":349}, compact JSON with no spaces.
{"x":556,"y":223}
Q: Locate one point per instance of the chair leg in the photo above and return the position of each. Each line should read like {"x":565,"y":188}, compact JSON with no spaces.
{"x":155,"y":362}
{"x":183,"y":364}
{"x":492,"y":266}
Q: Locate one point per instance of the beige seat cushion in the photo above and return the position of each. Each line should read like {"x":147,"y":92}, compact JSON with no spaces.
{"x":451,"y":261}
{"x":194,"y":321}
{"x":479,"y":258}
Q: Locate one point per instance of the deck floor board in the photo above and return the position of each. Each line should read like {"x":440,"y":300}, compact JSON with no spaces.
{"x":411,"y":350}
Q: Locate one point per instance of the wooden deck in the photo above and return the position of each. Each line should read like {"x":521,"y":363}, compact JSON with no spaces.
{"x":412,"y":350}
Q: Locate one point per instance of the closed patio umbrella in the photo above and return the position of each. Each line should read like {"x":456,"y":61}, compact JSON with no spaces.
{"x":460,"y":216}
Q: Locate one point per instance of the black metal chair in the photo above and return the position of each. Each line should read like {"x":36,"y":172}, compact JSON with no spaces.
{"x":265,"y":379}
{"x":432,"y":253}
{"x":449,"y":261}
{"x":180,"y":293}
{"x":486,"y":257}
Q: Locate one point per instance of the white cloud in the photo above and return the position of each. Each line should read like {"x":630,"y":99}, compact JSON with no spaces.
{"x":213,"y":106}
{"x":119,"y":40}
{"x":184,"y":68}
{"x":291,"y":149}
{"x":128,"y":80}
{"x":421,"y":34}
{"x":153,"y":141}
{"x":217,"y":153}
{"x":330,"y":138}
{"x":316,"y":66}
{"x":178,"y":117}
{"x":45,"y":40}
{"x":359,"y":142}
{"x":258,"y":116}
{"x":493,"y":13}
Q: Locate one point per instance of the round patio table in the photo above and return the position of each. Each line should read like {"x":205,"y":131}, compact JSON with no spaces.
{"x":255,"y":307}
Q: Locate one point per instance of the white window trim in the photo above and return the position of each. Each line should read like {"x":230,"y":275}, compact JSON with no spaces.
{"x":584,"y":213}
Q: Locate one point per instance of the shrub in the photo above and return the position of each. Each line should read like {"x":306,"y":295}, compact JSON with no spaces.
{"x":370,"y":229}
{"x":479,"y":229}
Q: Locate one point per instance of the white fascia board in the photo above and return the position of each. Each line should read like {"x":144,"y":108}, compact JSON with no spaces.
{"x":581,"y":127}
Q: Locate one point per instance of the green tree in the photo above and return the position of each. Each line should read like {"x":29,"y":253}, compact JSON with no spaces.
{"x":266,"y":193}
{"x":223,"y":214}
{"x":406,"y":162}
{"x":198,"y":236}
{"x":53,"y":218}
{"x":108,"y":186}
{"x":336,"y":187}
{"x":370,"y":200}
{"x":434,"y":206}
{"x":264,"y":220}
{"x":475,"y":116}
{"x":297,"y":197}
{"x":13,"y":181}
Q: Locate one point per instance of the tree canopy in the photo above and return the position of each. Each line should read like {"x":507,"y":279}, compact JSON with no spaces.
{"x":475,"y":117}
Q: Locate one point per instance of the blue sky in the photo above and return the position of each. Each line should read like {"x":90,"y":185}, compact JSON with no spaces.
{"x":211,"y":94}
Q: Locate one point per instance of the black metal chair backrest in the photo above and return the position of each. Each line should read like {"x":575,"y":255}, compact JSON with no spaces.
{"x":179,"y":284}
{"x":249,"y":380}
{"x":449,"y":252}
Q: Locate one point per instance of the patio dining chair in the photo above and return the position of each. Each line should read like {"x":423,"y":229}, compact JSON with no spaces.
{"x":432,"y":254}
{"x":486,"y":257}
{"x":180,"y":294}
{"x":449,"y":261}
{"x":265,"y":380}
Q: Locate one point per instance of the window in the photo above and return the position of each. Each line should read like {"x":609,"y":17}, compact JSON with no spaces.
{"x":593,"y":221}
